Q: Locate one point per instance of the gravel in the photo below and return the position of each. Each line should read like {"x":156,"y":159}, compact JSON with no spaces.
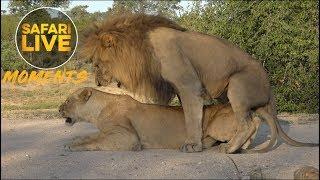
{"x":34,"y":149}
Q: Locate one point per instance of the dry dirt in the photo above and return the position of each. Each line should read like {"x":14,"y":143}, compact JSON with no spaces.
{"x":33,"y":148}
{"x":33,"y":139}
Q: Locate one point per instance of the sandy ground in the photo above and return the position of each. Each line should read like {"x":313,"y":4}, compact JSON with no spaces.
{"x":34,"y":149}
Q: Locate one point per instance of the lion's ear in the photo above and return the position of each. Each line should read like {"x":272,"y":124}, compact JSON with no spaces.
{"x":107,"y":40}
{"x":85,"y":94}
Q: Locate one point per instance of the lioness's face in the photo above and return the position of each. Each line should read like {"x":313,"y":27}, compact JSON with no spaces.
{"x":72,"y":109}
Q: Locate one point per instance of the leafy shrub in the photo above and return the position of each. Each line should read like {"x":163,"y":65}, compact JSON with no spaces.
{"x":283,"y":35}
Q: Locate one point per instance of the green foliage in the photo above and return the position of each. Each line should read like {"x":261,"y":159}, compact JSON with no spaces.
{"x":283,"y":35}
{"x":10,"y":58}
{"x":82,"y":18}
{"x":168,"y":8}
{"x":23,"y":7}
{"x":8,"y":26}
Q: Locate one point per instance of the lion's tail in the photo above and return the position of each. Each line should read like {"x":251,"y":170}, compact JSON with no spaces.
{"x":271,"y":108}
{"x":263,"y":114}
{"x":269,"y":114}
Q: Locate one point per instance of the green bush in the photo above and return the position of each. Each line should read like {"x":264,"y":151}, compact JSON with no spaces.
{"x":283,"y":35}
{"x":10,"y":58}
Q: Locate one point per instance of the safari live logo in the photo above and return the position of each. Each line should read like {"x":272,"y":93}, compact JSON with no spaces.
{"x":46,"y":39}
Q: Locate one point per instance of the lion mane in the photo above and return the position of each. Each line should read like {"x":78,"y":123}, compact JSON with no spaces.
{"x":122,"y":43}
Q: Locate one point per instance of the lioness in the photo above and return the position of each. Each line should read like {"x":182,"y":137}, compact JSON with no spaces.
{"x":126,"y":124}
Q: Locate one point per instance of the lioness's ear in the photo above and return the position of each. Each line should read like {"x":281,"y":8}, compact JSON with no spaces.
{"x":107,"y":40}
{"x":85,"y":94}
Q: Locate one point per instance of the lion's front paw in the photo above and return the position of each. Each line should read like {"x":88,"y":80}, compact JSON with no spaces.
{"x":191,"y":147}
{"x":136,"y":147}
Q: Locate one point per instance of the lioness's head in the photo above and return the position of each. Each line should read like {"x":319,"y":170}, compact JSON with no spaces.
{"x":74,"y":109}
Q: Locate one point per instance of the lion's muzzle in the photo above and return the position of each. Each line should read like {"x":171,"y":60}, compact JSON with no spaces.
{"x":61,"y":110}
{"x":97,"y":82}
{"x":69,"y":121}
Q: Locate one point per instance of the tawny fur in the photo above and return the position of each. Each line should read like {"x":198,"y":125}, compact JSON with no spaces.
{"x":155,"y":57}
{"x":130,"y":61}
{"x":126,"y":124}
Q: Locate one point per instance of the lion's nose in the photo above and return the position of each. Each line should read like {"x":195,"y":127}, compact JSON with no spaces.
{"x":118,"y":84}
{"x":98,"y":83}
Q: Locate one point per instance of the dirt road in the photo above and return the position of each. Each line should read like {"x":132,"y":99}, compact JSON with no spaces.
{"x":34,"y":149}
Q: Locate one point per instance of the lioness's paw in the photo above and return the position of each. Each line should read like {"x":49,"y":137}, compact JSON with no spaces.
{"x":190,"y":148}
{"x":223,"y":148}
{"x":67,"y":147}
{"x":79,"y":140}
{"x":73,"y":148}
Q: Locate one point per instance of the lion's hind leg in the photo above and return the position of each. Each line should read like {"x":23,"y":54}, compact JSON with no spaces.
{"x":256,"y":122}
{"x":246,"y":90}
{"x":118,"y":138}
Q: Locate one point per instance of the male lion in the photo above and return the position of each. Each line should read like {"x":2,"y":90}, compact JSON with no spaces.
{"x":126,"y":124}
{"x":155,"y":57}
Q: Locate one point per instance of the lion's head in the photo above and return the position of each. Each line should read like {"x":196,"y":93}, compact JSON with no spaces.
{"x":120,"y":51}
{"x":74,"y":109}
{"x":103,"y":76}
